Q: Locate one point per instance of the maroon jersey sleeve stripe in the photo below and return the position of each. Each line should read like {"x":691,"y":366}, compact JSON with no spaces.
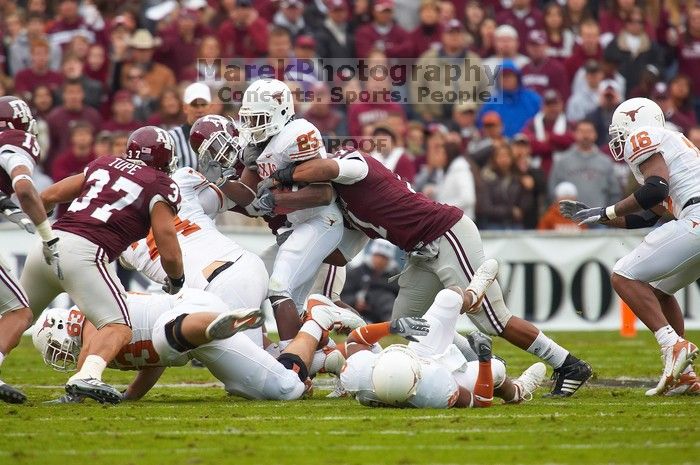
{"x":16,"y":290}
{"x":99,"y":261}
{"x":330,"y":277}
{"x":467,"y":268}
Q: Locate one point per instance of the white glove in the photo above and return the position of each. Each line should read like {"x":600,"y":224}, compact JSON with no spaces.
{"x":409,"y":327}
{"x":15,"y":214}
{"x":51,"y":256}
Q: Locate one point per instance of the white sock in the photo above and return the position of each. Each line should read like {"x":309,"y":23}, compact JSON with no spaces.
{"x":548,"y":350}
{"x":313,"y":329}
{"x":666,"y":336}
{"x":93,"y":367}
{"x":2,"y":357}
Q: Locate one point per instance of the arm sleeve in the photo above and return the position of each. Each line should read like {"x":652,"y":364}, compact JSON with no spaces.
{"x":9,"y":160}
{"x":351,"y":169}
{"x":213,"y":201}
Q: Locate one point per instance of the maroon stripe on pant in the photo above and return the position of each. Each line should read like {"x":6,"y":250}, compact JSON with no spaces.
{"x":469,"y":271}
{"x":114,"y":289}
{"x":330,"y":277}
{"x":14,"y":288}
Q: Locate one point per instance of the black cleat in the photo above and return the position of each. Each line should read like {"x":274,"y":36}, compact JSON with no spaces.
{"x":569,"y":377}
{"x":11,"y":395}
{"x":94,"y":389}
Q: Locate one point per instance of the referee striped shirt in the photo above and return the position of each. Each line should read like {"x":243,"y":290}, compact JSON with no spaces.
{"x":186,"y":157}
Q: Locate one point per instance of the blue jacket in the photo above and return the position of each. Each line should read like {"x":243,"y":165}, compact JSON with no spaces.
{"x":516,"y":107}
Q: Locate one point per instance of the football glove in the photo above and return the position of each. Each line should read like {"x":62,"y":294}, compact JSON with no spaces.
{"x":266,"y":184}
{"x":15,"y":214}
{"x":250,"y":155}
{"x":51,"y":256}
{"x":409,"y":327}
{"x":173,"y":285}
{"x":285,"y":176}
{"x":264,"y":203}
{"x":580,"y":213}
{"x":281,"y":238}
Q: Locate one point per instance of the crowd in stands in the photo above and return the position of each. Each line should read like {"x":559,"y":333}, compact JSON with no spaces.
{"x":94,"y":70}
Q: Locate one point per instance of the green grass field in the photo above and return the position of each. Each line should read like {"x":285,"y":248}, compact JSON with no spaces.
{"x":199,"y":424}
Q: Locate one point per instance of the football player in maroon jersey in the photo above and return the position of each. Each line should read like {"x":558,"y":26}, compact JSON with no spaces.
{"x":19,"y":153}
{"x":114,"y":202}
{"x":444,"y":249}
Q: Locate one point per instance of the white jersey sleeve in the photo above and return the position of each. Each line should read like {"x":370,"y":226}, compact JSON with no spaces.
{"x":298,"y":141}
{"x":680,"y":155}
{"x":11,"y":157}
{"x":143,"y":257}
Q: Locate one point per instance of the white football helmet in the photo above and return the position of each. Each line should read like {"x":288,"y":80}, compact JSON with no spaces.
{"x":58,"y":335}
{"x":267,"y":106}
{"x":395,"y":374}
{"x":628,"y":116}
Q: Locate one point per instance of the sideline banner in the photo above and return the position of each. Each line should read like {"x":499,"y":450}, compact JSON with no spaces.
{"x":559,"y":281}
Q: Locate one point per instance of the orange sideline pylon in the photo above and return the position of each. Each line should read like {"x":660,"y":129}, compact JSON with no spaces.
{"x":628,"y":321}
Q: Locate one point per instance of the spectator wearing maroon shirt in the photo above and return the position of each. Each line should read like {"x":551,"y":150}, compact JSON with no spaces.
{"x":72,"y":69}
{"x":321,"y":113}
{"x":522,"y":17}
{"x":392,"y":155}
{"x":180,"y":43}
{"x":560,"y":39}
{"x":60,"y":119}
{"x":78,"y":154}
{"x":549,"y":132}
{"x":96,"y":64}
{"x":39,"y":72}
{"x":543,"y":72}
{"x":169,"y":113}
{"x":474,"y":16}
{"x":681,"y":91}
{"x":135,"y":83}
{"x":244,"y":34}
{"x":576,"y":13}
{"x":675,"y":120}
{"x":588,"y":48}
{"x":156,"y":76}
{"x":688,"y":49}
{"x":613,"y":20}
{"x":383,"y":34}
{"x":484,"y":43}
{"x":122,"y":117}
{"x":68,"y":24}
{"x":428,"y":34}
{"x":430,"y":95}
{"x":366,"y":113}
{"x":633,"y":49}
{"x":334,"y":39}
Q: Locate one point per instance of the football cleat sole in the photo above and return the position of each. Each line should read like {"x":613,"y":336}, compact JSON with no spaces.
{"x":94,"y":389}
{"x":229,"y":323}
{"x":11,"y":395}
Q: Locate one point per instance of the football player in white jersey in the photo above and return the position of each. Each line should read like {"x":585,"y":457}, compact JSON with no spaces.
{"x":277,"y":140}
{"x":430,"y":372}
{"x":169,"y":331}
{"x":667,"y":166}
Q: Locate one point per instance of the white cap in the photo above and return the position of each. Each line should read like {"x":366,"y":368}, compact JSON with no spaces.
{"x":506,"y":30}
{"x":606,"y":84}
{"x":382,"y":247}
{"x":195,"y":4}
{"x":197,"y":90}
{"x":566,"y":190}
{"x":161,"y":10}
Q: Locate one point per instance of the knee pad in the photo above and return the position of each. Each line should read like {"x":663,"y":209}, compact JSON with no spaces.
{"x":174,"y":336}
{"x":294,"y":363}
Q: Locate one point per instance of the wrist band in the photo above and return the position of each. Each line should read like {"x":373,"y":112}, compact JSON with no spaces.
{"x":45,"y":231}
{"x":610,"y":212}
{"x":178,"y":282}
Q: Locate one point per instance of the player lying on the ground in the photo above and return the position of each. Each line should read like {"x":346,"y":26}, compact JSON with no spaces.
{"x":169,"y":331}
{"x":19,"y":153}
{"x":667,"y":165}
{"x":444,"y":249}
{"x":430,"y":372}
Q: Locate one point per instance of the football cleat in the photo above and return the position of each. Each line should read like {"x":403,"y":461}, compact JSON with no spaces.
{"x":94,"y":389}
{"x":528,"y":382}
{"x":568,"y":378}
{"x":231,"y":322}
{"x":481,"y":344}
{"x":11,"y":395}
{"x":687,"y":385}
{"x":338,"y":391}
{"x":330,"y":316}
{"x":676,"y":359}
{"x":480,"y":282}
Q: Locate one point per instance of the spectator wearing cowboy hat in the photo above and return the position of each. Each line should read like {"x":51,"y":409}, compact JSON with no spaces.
{"x":157,"y":76}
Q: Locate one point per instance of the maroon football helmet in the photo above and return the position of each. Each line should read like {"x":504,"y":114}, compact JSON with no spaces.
{"x":15,"y":114}
{"x":152,"y":146}
{"x":214,"y":137}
